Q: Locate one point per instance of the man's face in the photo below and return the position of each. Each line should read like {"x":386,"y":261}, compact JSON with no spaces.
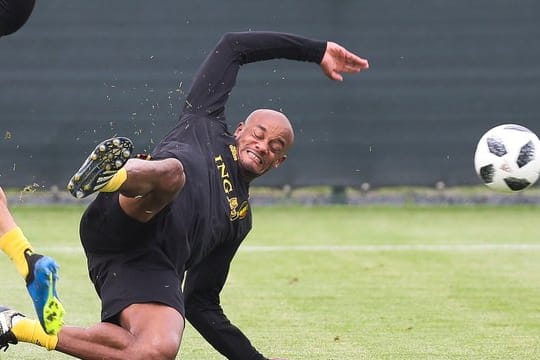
{"x":262,"y":141}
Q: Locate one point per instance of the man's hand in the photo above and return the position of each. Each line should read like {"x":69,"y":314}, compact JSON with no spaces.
{"x":338,"y":60}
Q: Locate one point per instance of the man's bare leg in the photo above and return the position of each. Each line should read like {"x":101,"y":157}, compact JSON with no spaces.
{"x":146,"y":331}
{"x":146,"y":186}
{"x":150,"y":186}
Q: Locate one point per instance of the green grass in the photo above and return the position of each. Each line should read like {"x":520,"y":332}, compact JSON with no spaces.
{"x":449,"y":301}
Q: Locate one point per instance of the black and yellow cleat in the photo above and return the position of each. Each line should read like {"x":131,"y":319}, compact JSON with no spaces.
{"x":100,"y":166}
{"x":7,"y":317}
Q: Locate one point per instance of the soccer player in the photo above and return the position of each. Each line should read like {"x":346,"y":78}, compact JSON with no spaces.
{"x":14,"y":14}
{"x":40,"y":272}
{"x":181,"y":214}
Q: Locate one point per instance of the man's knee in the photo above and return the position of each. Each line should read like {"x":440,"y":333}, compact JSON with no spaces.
{"x":172,"y":177}
{"x":157,"y":329}
{"x":160,"y":349}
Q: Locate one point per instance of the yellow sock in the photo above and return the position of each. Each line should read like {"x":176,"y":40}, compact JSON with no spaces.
{"x":30,"y":331}
{"x":14,"y":244}
{"x":116,"y":181}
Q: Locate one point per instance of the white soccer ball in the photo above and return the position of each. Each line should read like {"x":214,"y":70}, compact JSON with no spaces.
{"x":507,"y":158}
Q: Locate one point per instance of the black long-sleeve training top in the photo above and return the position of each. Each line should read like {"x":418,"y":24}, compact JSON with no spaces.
{"x":211,"y":216}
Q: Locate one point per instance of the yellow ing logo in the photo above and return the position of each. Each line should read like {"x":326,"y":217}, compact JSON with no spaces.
{"x":228,"y":188}
{"x":244,"y":210}
{"x":234,"y":152}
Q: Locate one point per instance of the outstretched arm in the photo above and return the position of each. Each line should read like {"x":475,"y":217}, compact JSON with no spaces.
{"x":202,"y":287}
{"x":216,"y":77}
{"x":338,"y":60}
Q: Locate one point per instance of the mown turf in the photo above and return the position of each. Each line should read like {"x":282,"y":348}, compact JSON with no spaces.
{"x":428,"y":293}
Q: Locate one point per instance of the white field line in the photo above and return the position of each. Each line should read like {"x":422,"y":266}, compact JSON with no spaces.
{"x":353,"y":248}
{"x":390,"y":247}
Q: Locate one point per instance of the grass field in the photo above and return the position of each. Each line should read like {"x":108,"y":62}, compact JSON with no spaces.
{"x":340,"y":282}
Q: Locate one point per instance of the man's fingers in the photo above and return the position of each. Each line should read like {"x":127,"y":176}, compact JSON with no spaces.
{"x":338,"y":60}
{"x":355,"y":62}
{"x":336,"y":76}
{"x":353,"y":67}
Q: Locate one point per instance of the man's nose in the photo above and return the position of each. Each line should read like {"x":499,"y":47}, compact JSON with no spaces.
{"x":261,"y":147}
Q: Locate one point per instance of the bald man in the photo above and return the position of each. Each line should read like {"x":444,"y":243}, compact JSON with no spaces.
{"x":180,"y":215}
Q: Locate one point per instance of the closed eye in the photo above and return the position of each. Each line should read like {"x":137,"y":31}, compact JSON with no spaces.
{"x":276,"y":146}
{"x":258,"y":133}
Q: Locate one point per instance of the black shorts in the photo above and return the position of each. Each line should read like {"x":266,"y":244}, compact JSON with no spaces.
{"x":126,"y":262}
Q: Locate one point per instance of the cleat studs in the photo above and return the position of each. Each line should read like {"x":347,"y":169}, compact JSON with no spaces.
{"x":107,"y":158}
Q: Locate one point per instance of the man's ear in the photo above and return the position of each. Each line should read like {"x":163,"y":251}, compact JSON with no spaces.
{"x":279,"y":161}
{"x":238,"y":129}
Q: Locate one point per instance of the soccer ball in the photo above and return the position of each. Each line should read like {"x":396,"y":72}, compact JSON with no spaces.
{"x":507,"y":158}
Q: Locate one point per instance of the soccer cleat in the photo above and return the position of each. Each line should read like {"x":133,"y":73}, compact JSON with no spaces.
{"x":41,"y":285}
{"x":100,"y":166}
{"x":6,"y":324}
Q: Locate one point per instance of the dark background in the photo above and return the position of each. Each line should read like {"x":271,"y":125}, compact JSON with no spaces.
{"x":442,"y":73}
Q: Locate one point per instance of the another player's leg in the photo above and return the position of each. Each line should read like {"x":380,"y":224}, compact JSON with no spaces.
{"x":41,"y":285}
{"x":40,"y":272}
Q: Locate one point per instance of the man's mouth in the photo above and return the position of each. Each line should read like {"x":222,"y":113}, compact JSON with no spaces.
{"x":253,"y":156}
